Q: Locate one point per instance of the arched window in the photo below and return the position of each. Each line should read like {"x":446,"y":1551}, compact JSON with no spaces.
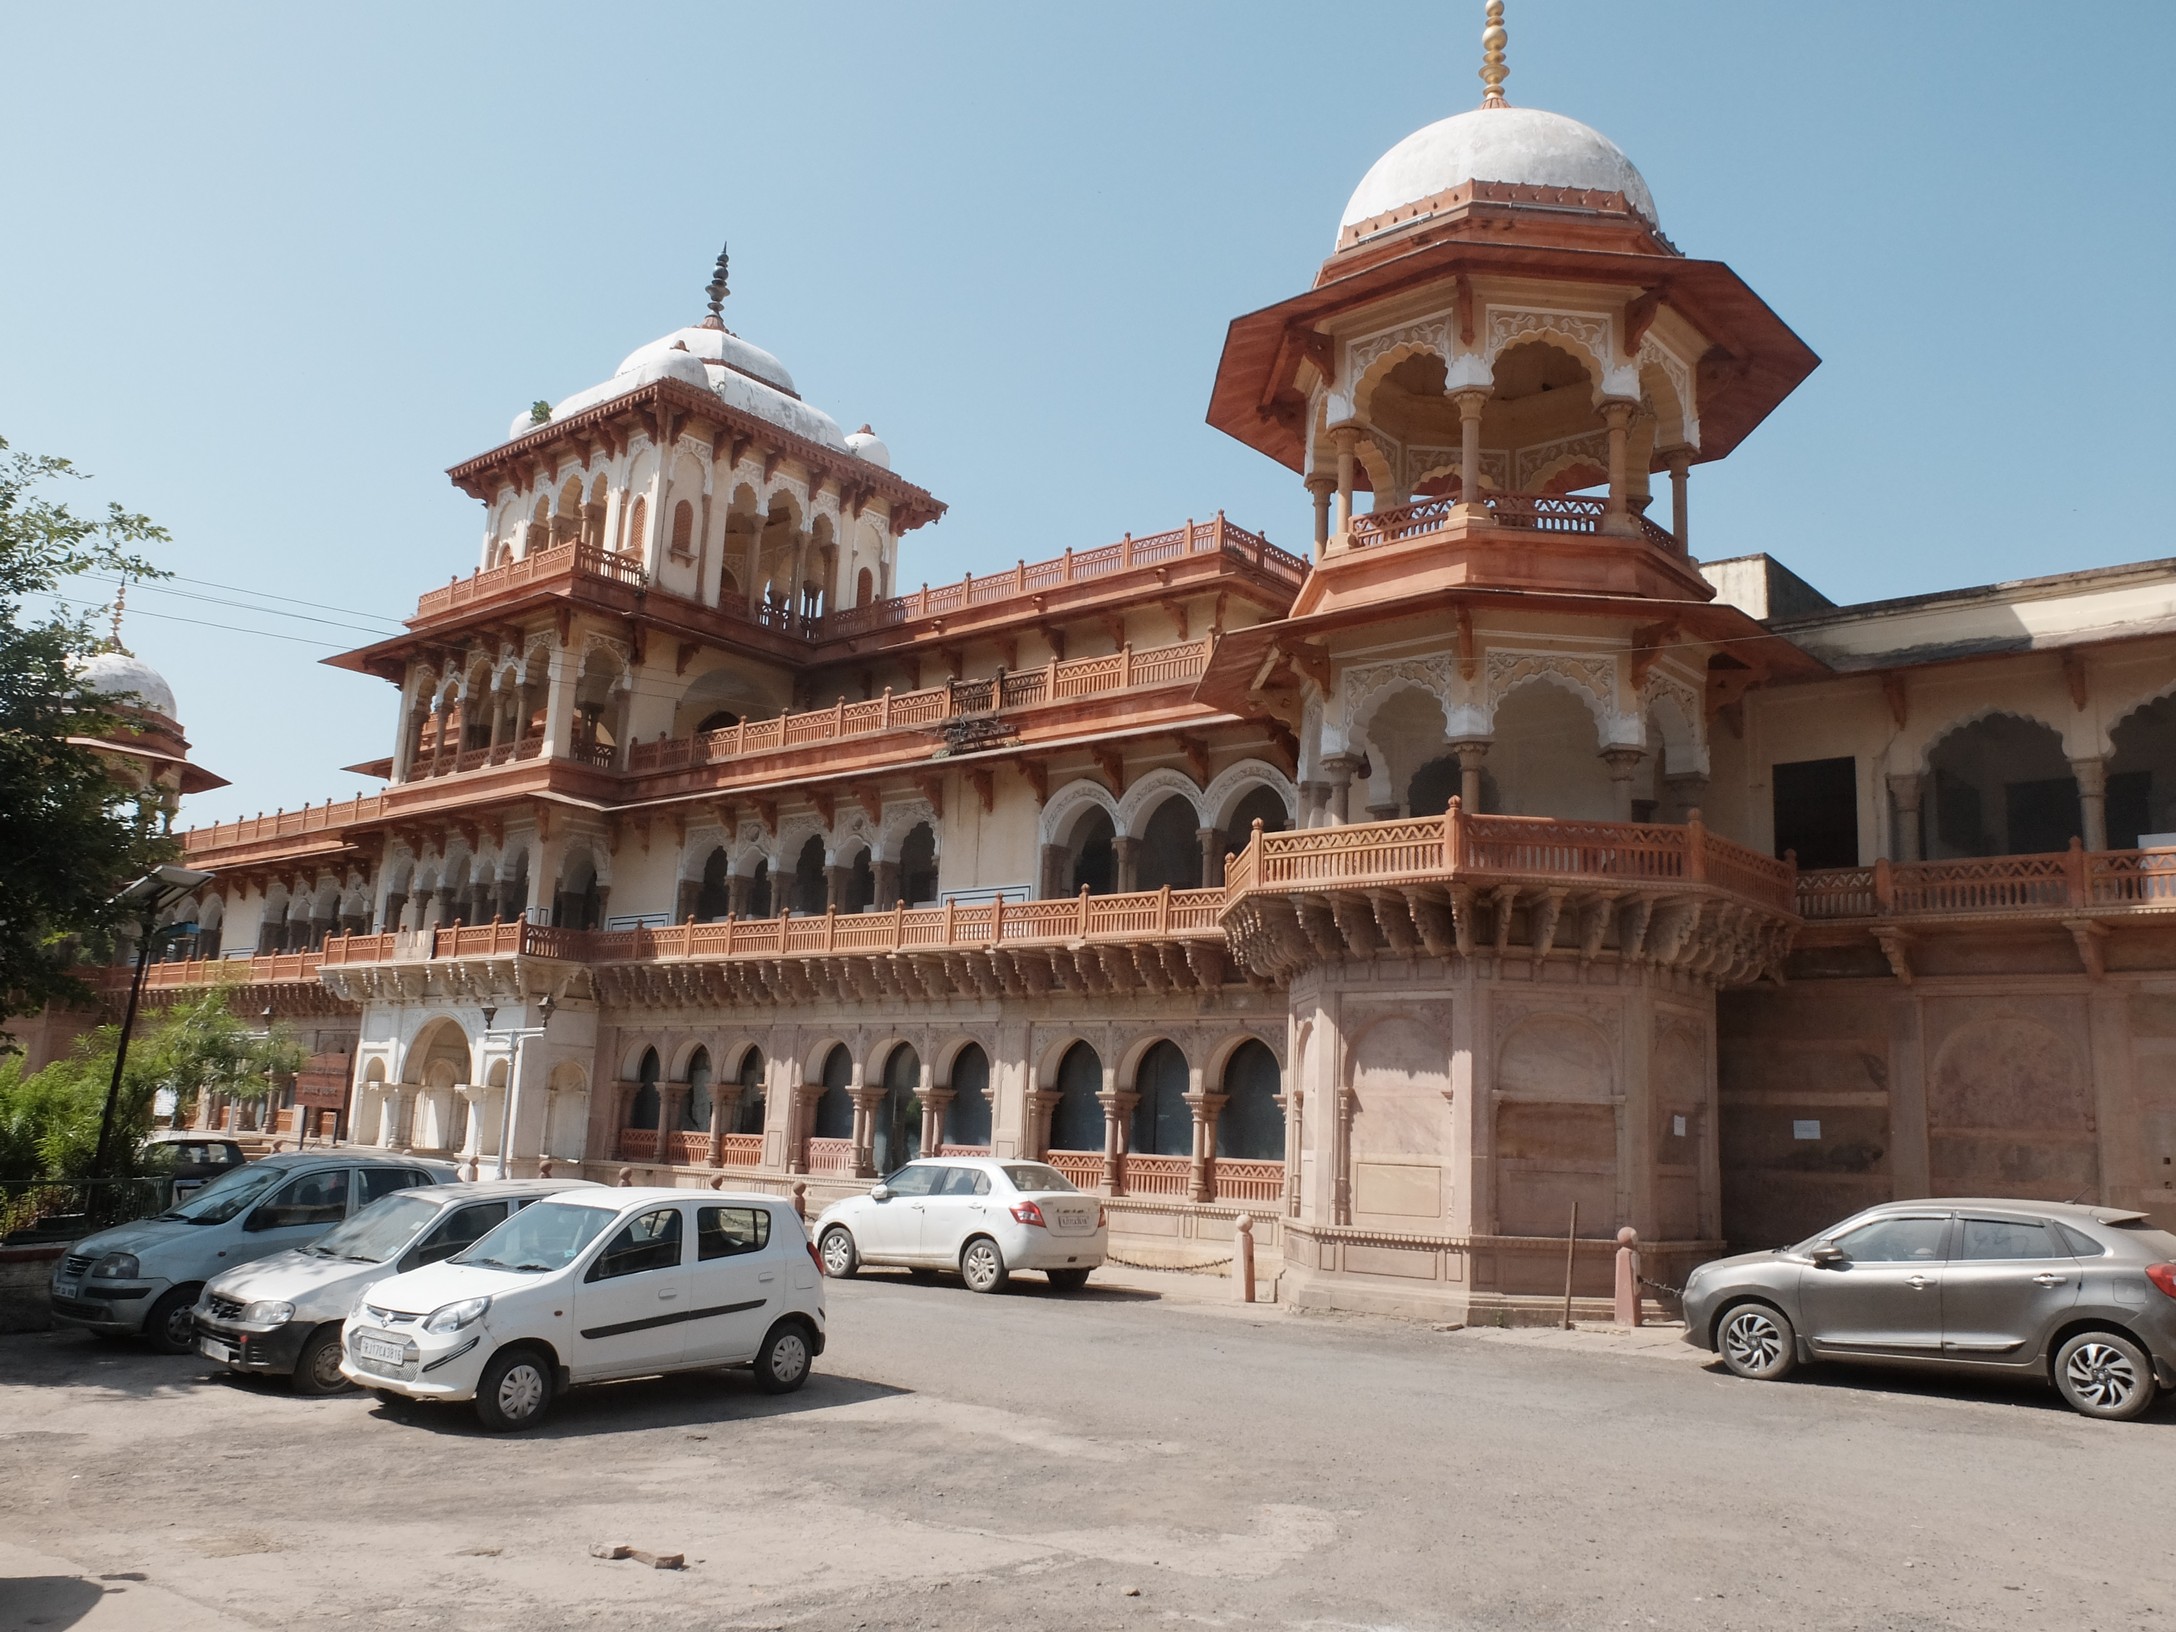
{"x":580,"y":899}
{"x":808,"y":878}
{"x":1076,"y":1121}
{"x":715,"y":898}
{"x":759,"y":891}
{"x":683,"y":529}
{"x":638,"y":522}
{"x":864,"y":588}
{"x":1163,"y":1123}
{"x":2001,"y":787}
{"x":917,"y":866}
{"x":1095,"y":861}
{"x":967,"y":1117}
{"x":2142,"y":774}
{"x":642,"y":1113}
{"x":748,"y":1114}
{"x":1262,"y":804}
{"x":696,"y":1114}
{"x":860,"y":885}
{"x":898,"y":1130}
{"x":1170,"y":851}
{"x":723,"y":719}
{"x":835,"y":1106}
{"x":1430,"y":791}
{"x":1251,"y":1125}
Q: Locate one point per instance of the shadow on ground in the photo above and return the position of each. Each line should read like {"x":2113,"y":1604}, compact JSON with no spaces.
{"x":1906,"y":1382}
{"x":686,"y":1399}
{"x":46,"y":1602}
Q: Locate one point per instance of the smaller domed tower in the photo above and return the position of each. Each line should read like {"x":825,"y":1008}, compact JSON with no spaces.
{"x":146,"y":750}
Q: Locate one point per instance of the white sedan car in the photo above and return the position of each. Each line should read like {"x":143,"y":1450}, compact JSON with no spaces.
{"x":981,"y":1215}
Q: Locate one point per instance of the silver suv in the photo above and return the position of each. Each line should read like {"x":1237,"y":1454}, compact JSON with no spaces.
{"x":2084,"y":1297}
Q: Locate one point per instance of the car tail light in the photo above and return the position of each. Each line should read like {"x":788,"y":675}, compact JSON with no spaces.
{"x":814,"y":1256}
{"x":1027,"y":1212}
{"x":2163,"y":1276}
{"x":1103,"y":1216}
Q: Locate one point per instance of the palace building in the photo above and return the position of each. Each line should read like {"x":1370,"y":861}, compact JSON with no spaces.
{"x":1496,"y":857}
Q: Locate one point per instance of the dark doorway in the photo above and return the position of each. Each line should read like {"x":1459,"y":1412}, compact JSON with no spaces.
{"x":1817,"y":811}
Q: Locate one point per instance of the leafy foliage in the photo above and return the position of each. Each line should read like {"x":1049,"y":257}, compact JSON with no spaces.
{"x":49,"y":1119}
{"x":71,"y":833}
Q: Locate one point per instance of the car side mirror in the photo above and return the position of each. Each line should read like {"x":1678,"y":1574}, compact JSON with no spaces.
{"x":882,"y":1192}
{"x":1827,"y":1255}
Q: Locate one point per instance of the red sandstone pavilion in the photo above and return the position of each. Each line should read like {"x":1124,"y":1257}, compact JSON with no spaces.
{"x":1496,"y":857}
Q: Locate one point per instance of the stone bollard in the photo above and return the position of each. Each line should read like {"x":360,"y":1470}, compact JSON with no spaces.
{"x":626,"y":1180}
{"x":1243,"y":1258}
{"x":1628,"y":1309}
{"x":800,"y":1202}
{"x":544,"y":1167}
{"x":469,"y":1172}
{"x":718,"y":1183}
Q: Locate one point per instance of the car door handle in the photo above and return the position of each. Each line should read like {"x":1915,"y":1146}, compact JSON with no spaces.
{"x":1918,"y":1283}
{"x":768,"y":1275}
{"x":668,"y":1296}
{"x":2047,"y":1278}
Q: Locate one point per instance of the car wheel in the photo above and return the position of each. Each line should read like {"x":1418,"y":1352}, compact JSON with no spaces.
{"x":840,"y":1258}
{"x":514,"y":1392}
{"x":2105,"y":1375}
{"x":317,"y":1368}
{"x":982,"y":1266}
{"x":784,"y":1362}
{"x":170,"y":1328}
{"x":1067,"y":1280}
{"x":1757,"y":1342}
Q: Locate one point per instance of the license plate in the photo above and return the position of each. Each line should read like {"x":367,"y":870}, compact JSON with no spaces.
{"x":66,"y":1289}
{"x":212,"y":1349}
{"x":371,"y":1348}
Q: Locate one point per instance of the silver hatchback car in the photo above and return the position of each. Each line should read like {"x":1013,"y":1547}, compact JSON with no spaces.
{"x":2082,"y":1296}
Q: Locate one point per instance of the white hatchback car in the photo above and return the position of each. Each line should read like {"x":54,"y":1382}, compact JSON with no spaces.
{"x":984,"y":1216}
{"x":593,"y":1285}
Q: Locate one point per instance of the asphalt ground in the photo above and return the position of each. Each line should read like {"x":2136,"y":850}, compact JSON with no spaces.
{"x":1137,"y":1455}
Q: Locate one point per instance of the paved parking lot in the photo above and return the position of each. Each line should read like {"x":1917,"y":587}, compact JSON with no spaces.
{"x":1117,"y":1459}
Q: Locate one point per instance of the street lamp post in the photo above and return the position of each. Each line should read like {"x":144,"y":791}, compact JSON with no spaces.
{"x":150,"y":895}
{"x":520,"y":1035}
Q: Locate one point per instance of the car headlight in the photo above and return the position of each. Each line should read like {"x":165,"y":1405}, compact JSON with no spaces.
{"x":268,"y":1312}
{"x":457,"y":1315}
{"x":115,"y":1266}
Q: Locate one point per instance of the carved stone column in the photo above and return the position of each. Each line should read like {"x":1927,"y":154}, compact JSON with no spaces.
{"x":1320,"y":488}
{"x":1341,"y":1195}
{"x":1128,"y":852}
{"x":837,"y":881}
{"x":1206,"y":1107}
{"x":671,"y":1098}
{"x":1680,"y":528}
{"x":1617,"y":414}
{"x":2092,"y":774}
{"x":1040,"y":1103}
{"x":686,"y":899}
{"x":1117,"y":1136}
{"x":1470,"y":503}
{"x":887,"y":885}
{"x":1688,"y":791}
{"x":1212,"y":856}
{"x":935,"y":1101}
{"x":1624,"y":765}
{"x":1471,"y":753}
{"x":1055,"y":881}
{"x":1314,"y":800}
{"x":1341,"y":768}
{"x":1905,"y":788}
{"x":1347,"y":440}
{"x":724,"y":1101}
{"x":736,"y":894}
{"x":867,"y":1096}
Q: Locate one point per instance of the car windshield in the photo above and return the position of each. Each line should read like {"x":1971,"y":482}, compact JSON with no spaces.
{"x":229,"y":1194}
{"x":1035,"y":1178}
{"x":380,"y":1232}
{"x":539,"y":1238}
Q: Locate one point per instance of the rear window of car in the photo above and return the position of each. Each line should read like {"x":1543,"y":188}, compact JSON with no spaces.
{"x":727,"y":1232}
{"x":1035,"y":1177}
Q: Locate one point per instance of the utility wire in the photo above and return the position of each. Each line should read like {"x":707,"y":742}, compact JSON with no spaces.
{"x":245,"y":606}
{"x":205,"y":623}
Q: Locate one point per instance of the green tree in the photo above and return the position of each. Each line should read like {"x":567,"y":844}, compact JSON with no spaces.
{"x":70,"y":832}
{"x":49,"y":1118}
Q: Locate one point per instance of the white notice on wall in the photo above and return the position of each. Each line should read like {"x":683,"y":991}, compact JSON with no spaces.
{"x":1805,"y":1130}
{"x":1677,"y":1127}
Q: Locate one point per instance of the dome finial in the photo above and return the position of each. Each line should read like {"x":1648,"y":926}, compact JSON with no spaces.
{"x":717,"y":291}
{"x":120,"y":605}
{"x":1493,"y":71}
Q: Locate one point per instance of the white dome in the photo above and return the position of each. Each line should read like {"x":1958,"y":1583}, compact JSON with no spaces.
{"x":1522,"y":146}
{"x":128,"y":680}
{"x":524,"y":423}
{"x":866,"y":444}
{"x":721,"y":348}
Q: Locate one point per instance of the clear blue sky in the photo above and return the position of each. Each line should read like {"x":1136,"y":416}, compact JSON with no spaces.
{"x":269,"y":271}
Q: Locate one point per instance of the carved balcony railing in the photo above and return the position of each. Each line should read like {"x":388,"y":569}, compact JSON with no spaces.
{"x":504,"y":938}
{"x":831,"y":1156}
{"x":637,"y":1145}
{"x":1234,"y":1179}
{"x":1123,"y":670}
{"x":1531,"y":512}
{"x":1672,"y":896}
{"x":1170,"y":1176}
{"x":1217,"y":538}
{"x":1083,"y":1169}
{"x":2076,"y":881}
{"x":429,"y":763}
{"x":741,"y":1150}
{"x":560,"y":562}
{"x":330,"y":817}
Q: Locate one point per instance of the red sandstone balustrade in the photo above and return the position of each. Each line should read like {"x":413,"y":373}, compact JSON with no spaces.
{"x":1538,"y":849}
{"x":568,"y":561}
{"x":265,"y":969}
{"x":1158,"y":1175}
{"x":637,"y":1145}
{"x":961,"y":1150}
{"x":689,"y":1149}
{"x":1083,"y":1169}
{"x":741,"y":1150}
{"x":2073,"y":880}
{"x":1532,"y":512}
{"x":286,"y":824}
{"x":916,"y":710}
{"x":1234,"y":1179}
{"x":831,"y":1155}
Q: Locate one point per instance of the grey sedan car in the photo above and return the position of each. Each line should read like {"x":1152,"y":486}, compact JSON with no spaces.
{"x":2083,"y":1297}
